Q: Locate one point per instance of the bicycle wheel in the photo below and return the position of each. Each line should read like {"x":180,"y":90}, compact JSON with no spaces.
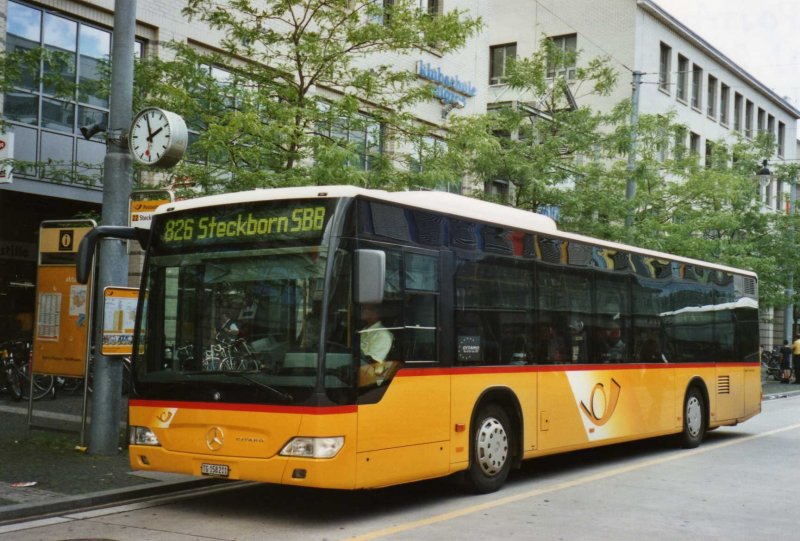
{"x":14,"y":382}
{"x":70,"y":385}
{"x":42,"y":385}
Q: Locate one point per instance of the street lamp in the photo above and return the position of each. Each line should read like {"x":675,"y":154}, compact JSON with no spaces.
{"x":765,"y":184}
{"x":765,"y":178}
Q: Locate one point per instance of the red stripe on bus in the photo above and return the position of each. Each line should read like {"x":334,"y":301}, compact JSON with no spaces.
{"x":260,"y":408}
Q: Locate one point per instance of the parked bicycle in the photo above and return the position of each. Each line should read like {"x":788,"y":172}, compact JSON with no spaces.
{"x":771,"y":362}
{"x":10,"y":379}
{"x":75,"y":385}
{"x":229,"y":352}
{"x":17,"y":368}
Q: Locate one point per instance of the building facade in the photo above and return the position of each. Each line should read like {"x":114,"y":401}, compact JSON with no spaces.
{"x":709,"y":93}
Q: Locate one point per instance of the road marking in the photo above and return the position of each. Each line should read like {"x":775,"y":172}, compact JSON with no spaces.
{"x":385,"y":532}
{"x":43,"y":414}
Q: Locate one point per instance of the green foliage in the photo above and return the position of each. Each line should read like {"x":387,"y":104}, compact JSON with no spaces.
{"x":556,"y":153}
{"x":298,"y":103}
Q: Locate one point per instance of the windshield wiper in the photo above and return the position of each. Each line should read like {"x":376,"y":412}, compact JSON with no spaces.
{"x":285,"y":396}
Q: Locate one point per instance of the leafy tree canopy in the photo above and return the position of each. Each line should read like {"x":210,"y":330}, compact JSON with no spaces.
{"x":298,"y":101}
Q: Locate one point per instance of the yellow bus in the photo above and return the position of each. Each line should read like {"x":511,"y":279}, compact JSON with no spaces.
{"x":347,"y":338}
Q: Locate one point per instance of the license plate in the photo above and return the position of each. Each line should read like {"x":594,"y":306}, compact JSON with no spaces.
{"x":217,"y":470}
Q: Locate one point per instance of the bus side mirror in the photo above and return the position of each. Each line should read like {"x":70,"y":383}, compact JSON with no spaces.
{"x":371,"y":276}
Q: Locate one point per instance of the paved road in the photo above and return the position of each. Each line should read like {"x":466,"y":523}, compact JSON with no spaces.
{"x":737,"y":486}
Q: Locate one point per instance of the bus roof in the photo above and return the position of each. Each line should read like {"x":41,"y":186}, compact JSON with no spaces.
{"x":435,"y":201}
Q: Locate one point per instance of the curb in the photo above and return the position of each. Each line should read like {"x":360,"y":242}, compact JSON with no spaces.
{"x":10,"y":514}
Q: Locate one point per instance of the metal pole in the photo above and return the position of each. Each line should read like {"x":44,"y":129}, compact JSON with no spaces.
{"x":630,"y":190}
{"x":788,"y":315}
{"x":112,"y":265}
{"x":87,"y":365}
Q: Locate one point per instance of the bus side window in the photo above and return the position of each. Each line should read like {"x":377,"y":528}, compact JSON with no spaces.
{"x":420,"y":328}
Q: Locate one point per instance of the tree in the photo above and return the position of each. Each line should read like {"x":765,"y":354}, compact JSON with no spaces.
{"x":308,"y":92}
{"x":531,"y":142}
{"x":554,"y":152}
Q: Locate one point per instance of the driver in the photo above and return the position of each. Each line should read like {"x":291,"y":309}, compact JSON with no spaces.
{"x":376,"y":340}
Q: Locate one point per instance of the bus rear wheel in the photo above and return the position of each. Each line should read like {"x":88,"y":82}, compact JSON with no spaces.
{"x":490,"y":450}
{"x":694,"y":419}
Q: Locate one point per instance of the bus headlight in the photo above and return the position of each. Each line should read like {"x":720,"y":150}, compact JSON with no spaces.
{"x":313,"y":447}
{"x":141,"y":435}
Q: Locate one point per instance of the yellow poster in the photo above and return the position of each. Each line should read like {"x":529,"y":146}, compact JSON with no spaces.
{"x":119,"y":319}
{"x":61,"y":322}
{"x":143,"y":204}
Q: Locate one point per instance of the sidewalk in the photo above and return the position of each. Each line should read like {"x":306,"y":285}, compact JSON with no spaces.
{"x":65,"y":478}
{"x":49,"y":473}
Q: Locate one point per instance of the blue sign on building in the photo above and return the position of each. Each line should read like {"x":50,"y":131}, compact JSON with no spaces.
{"x":449,"y":88}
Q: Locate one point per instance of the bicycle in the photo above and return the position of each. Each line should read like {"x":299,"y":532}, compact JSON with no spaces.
{"x":230,"y":352}
{"x":17,"y":358}
{"x":771,"y":362}
{"x":11,"y":378}
{"x":75,"y":384}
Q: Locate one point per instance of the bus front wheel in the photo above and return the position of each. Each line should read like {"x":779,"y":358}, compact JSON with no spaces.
{"x":694,"y":419}
{"x":490,"y":450}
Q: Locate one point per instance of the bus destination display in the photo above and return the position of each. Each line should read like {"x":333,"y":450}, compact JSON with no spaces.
{"x":250,"y":223}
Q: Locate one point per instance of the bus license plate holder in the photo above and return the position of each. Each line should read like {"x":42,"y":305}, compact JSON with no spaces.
{"x":214,"y":470}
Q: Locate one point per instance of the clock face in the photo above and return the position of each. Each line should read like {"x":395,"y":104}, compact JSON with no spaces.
{"x":158,"y":137}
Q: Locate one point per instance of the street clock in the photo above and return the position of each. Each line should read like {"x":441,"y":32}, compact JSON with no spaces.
{"x":158,"y":137}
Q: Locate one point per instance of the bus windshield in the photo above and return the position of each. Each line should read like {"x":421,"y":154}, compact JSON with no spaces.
{"x":237,"y":325}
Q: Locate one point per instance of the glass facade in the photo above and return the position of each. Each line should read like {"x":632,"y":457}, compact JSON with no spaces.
{"x":53,"y":99}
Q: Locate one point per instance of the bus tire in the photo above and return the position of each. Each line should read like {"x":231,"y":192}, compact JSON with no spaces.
{"x":490,"y":450}
{"x":694,"y":419}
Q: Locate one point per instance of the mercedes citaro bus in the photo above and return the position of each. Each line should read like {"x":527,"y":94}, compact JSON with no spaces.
{"x":508,"y":339}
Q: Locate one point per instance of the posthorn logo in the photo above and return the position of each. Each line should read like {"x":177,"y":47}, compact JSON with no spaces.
{"x":601,"y":407}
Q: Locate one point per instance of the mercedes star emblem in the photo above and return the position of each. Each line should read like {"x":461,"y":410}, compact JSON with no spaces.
{"x":215,"y":437}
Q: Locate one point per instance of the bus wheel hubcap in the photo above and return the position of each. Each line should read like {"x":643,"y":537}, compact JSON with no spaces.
{"x":694,"y":418}
{"x":492,"y":446}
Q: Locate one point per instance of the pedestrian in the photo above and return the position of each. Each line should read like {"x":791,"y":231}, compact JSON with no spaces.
{"x":796,"y":358}
{"x":786,"y":362}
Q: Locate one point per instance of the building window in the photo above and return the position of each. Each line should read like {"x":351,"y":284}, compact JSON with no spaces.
{"x":771,"y":126}
{"x":681,"y":91}
{"x":664,"y":68}
{"x":425,"y":149}
{"x":724,"y":103}
{"x":709,"y":154}
{"x":566,"y":68}
{"x":680,"y":143}
{"x":385,"y":17}
{"x":497,"y":189}
{"x":360,"y":134}
{"x":220,"y":83}
{"x":781,"y":138}
{"x":694,"y":143}
{"x":46,"y":123}
{"x":711,"y":97}
{"x":761,"y":120}
{"x":697,"y":86}
{"x":748,"y":119}
{"x":431,"y":7}
{"x":737,"y":112}
{"x":499,"y":58}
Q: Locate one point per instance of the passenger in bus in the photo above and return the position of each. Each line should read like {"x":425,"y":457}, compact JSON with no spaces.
{"x":615,"y":345}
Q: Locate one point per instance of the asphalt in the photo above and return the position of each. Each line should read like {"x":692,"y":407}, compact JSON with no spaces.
{"x":48,"y":473}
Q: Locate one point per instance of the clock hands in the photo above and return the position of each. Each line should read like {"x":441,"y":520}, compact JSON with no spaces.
{"x":153,"y":134}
